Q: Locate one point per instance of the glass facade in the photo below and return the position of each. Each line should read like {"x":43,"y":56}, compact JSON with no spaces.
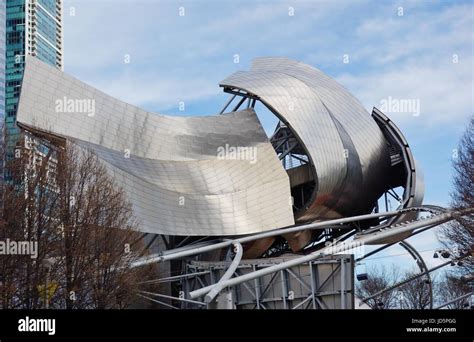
{"x":2,"y":59}
{"x":2,"y":82}
{"x":15,"y":52}
{"x":46,"y":24}
{"x":33,"y":27}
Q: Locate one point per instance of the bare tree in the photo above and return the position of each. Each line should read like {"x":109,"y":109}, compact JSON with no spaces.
{"x":452,"y":288}
{"x":416,"y":293}
{"x":379,"y":279}
{"x":458,"y":236}
{"x":65,"y":201}
{"x":26,"y":218}
{"x":91,"y":254}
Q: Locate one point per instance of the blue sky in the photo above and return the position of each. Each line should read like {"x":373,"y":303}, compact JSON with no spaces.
{"x":177,"y":58}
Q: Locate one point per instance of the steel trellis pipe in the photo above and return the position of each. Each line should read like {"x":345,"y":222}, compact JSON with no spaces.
{"x":318,"y":225}
{"x":334,"y":250}
{"x":227,"y":275}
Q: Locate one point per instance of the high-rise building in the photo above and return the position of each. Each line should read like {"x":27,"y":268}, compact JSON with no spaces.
{"x":33,"y":27}
{"x":3,"y":15}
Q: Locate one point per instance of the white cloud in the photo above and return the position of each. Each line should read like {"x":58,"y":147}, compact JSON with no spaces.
{"x":402,"y":57}
{"x":182,"y":59}
{"x":165,"y":48}
{"x":444,"y":90}
{"x":411,"y":57}
{"x":157,"y":92}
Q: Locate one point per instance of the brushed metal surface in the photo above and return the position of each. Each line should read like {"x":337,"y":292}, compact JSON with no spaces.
{"x":346,"y":147}
{"x":168,"y":166}
{"x":171,"y":171}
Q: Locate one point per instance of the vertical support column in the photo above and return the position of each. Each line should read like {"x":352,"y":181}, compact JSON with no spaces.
{"x":313,"y":284}
{"x":185,"y":288}
{"x":225,"y":301}
{"x":252,"y":105}
{"x":257,"y":288}
{"x":249,"y":101}
{"x":284,"y":289}
{"x":343,"y":283}
{"x":212,"y":277}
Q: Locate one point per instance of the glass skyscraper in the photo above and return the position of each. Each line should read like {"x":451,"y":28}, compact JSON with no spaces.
{"x":33,"y":28}
{"x":3,"y":16}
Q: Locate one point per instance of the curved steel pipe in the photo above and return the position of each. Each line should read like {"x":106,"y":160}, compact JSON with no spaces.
{"x":217,"y":287}
{"x":161,"y":257}
{"x":184,"y":253}
{"x":421,"y":264}
{"x":330,"y":250}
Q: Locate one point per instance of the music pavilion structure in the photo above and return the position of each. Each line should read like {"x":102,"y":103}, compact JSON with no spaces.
{"x":237,"y":219}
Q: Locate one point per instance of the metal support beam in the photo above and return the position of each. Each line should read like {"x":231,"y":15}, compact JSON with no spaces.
{"x":300,"y":159}
{"x":334,"y":249}
{"x":249,"y":101}
{"x":403,"y":282}
{"x":313,"y":283}
{"x":257,"y":289}
{"x":173,"y":298}
{"x":288,"y":150}
{"x":158,"y":301}
{"x":375,"y":251}
{"x":228,"y":103}
{"x":174,"y":278}
{"x":171,"y":255}
{"x":455,"y":300}
{"x":282,"y":142}
{"x":237,"y":106}
{"x":343,"y":284}
{"x":240,"y":93}
{"x":284,"y":289}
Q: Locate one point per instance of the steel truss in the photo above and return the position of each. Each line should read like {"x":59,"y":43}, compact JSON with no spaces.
{"x":319,"y":284}
{"x":222,"y":284}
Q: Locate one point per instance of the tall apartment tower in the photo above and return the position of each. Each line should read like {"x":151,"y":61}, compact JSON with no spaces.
{"x":33,"y":28}
{"x":3,"y":15}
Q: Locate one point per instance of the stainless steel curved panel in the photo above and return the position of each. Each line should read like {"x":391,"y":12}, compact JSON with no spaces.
{"x":171,"y":170}
{"x":345,"y":145}
{"x":169,"y":167}
{"x":413,"y":180}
